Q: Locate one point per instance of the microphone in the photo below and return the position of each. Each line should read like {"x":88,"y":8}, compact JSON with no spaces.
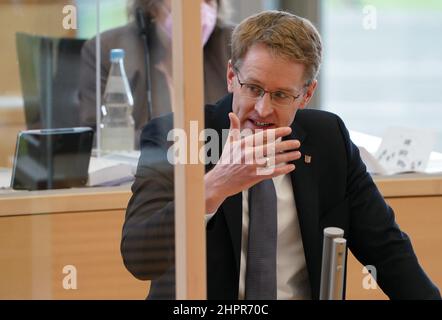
{"x":141,"y":22}
{"x":143,"y":28}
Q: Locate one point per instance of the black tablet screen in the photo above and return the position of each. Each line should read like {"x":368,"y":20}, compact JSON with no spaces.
{"x":52,"y":158}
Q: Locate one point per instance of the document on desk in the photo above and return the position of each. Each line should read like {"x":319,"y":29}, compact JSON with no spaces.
{"x":369,"y":159}
{"x":5,"y":178}
{"x":113,"y":169}
{"x":402,"y":150}
{"x":406,"y":150}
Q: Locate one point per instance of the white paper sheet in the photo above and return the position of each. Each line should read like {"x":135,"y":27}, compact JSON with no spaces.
{"x":401,"y":150}
{"x":405,"y":150}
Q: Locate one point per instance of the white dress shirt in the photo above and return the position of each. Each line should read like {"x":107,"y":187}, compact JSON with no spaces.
{"x":292,"y":276}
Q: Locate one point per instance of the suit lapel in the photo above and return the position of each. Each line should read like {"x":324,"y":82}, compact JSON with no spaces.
{"x":232,"y":208}
{"x":305,"y":187}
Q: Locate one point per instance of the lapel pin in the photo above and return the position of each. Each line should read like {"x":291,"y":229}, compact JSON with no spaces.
{"x":308,"y":159}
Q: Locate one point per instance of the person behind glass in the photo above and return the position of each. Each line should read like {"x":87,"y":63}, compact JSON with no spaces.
{"x":265,"y":219}
{"x":156,"y":16}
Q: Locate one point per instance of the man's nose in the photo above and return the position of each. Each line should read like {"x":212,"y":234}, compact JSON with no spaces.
{"x":264,"y":106}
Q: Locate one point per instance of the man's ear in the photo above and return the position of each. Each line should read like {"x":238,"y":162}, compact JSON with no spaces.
{"x":230,"y":76}
{"x":308,"y":94}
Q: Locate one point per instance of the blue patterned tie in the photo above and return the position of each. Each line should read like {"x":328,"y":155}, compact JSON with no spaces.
{"x":261,"y":254}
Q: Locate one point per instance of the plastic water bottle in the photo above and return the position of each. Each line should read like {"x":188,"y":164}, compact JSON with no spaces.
{"x":117,"y":123}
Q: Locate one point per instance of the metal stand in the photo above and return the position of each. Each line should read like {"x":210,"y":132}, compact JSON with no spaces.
{"x":333,"y":264}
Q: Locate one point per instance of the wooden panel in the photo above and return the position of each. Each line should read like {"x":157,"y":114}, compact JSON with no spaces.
{"x":43,"y":231}
{"x":91,"y":243}
{"x":15,"y":258}
{"x":421,"y":219}
{"x":189,"y":179}
{"x":34,"y":250}
{"x":65,"y":200}
{"x":410,"y":185}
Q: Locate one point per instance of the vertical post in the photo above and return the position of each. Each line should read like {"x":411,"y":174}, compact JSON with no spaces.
{"x":98,"y":80}
{"x":189,"y":179}
{"x":330,"y":234}
{"x":337,"y":269}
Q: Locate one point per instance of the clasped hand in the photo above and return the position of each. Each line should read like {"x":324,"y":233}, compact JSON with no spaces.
{"x":247,"y":160}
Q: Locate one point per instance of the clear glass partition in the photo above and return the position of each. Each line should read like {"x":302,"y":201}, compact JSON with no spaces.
{"x":62,"y":206}
{"x":69,"y":225}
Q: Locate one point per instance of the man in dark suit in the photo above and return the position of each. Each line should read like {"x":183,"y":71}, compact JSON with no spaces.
{"x":317,"y":180}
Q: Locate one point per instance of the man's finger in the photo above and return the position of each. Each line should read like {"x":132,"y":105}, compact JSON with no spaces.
{"x":287,"y":157}
{"x":234,"y":130}
{"x":266,"y":136}
{"x":286,"y":169}
{"x":271,"y":172}
{"x":271,"y":149}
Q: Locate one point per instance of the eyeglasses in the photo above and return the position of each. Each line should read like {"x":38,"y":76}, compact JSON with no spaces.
{"x":279,"y":98}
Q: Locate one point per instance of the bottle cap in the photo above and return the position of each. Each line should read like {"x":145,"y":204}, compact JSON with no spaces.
{"x":116,"y":54}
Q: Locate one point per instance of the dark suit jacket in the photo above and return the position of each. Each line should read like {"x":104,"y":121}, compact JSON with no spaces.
{"x":333,"y":190}
{"x":216,"y":56}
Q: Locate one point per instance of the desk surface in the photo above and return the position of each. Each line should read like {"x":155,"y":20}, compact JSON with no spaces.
{"x":409,"y":185}
{"x":110,"y":198}
{"x":63,"y":200}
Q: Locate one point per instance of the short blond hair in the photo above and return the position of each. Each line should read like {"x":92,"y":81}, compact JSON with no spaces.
{"x":286,"y":34}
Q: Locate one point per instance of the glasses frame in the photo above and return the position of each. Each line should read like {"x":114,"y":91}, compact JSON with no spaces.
{"x":271,"y":93}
